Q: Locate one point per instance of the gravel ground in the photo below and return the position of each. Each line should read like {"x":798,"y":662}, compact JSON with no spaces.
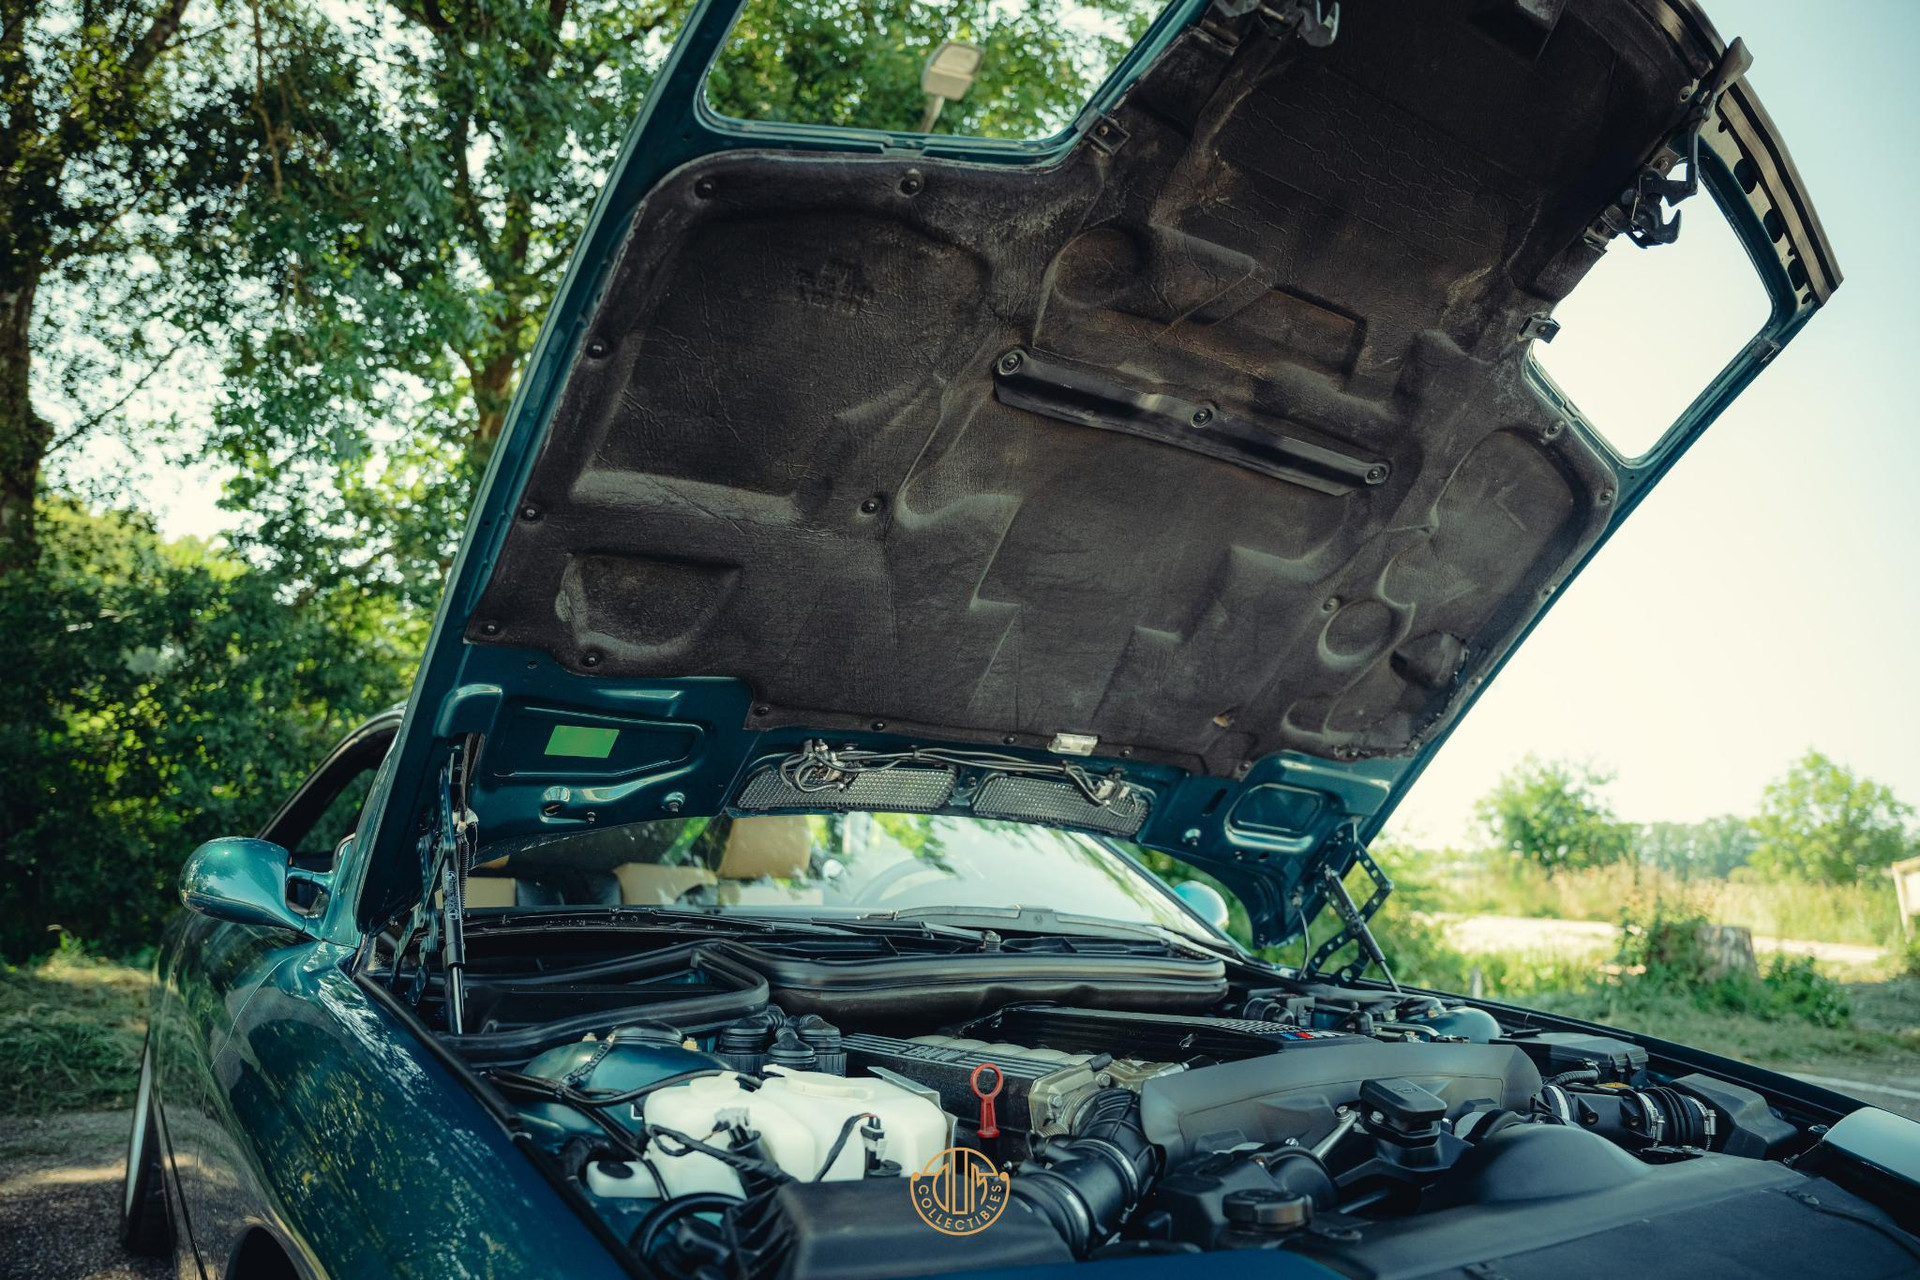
{"x":60,"y":1185}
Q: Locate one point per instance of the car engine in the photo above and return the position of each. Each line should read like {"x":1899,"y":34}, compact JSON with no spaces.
{"x":1374,"y":1132}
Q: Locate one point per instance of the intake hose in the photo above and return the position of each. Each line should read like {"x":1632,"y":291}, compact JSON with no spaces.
{"x":1651,"y":1116}
{"x":1087,"y":1182}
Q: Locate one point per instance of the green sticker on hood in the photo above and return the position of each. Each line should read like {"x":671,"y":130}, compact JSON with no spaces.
{"x":583,"y":741}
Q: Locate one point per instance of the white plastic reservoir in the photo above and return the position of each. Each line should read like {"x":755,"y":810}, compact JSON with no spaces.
{"x":798,"y":1115}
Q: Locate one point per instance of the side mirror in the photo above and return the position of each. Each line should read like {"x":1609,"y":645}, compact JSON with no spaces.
{"x":1205,"y":902}
{"x":241,"y":880}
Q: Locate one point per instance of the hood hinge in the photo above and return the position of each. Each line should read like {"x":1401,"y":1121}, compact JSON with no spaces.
{"x":1637,"y":211}
{"x":1316,"y":22}
{"x":446,"y":853}
{"x":1353,"y":919}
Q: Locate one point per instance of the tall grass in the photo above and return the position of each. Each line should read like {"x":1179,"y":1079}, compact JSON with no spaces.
{"x":1862,"y":913}
{"x":71,"y":1026}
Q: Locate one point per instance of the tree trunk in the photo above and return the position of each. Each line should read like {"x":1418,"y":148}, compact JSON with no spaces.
{"x":24,"y":435}
{"x":1703,"y":952}
{"x":492,"y":397}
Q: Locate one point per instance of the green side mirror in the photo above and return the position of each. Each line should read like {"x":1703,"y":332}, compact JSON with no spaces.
{"x":242,"y":880}
{"x":1205,"y":901}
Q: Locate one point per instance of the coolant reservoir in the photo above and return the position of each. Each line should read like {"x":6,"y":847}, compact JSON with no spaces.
{"x":799,"y":1115}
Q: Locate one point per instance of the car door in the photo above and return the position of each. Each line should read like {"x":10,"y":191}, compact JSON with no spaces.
{"x":216,"y":967}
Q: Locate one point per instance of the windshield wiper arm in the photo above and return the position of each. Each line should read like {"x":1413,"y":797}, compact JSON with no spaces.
{"x":1045,"y":920}
{"x":886,"y":922}
{"x":568,"y":917}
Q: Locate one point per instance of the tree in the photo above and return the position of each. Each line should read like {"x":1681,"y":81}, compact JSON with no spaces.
{"x":91,"y":148}
{"x":359,"y":212}
{"x":160,"y":694}
{"x":1710,"y":848}
{"x":416,"y":175}
{"x":1819,"y":822}
{"x":1552,"y":814}
{"x":857,"y":63}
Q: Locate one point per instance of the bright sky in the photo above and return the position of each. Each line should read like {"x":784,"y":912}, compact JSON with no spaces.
{"x":1764,"y":599}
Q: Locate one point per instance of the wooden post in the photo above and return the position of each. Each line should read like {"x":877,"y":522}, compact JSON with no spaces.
{"x":1906,"y":892}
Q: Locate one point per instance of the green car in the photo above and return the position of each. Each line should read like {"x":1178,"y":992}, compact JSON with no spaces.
{"x":904,"y":551}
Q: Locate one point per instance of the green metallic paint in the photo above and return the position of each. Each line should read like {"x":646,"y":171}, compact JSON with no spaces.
{"x":245,"y":881}
{"x":295,"y":1103}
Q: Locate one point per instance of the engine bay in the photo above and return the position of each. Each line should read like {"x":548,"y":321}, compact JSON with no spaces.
{"x":731,"y":1108}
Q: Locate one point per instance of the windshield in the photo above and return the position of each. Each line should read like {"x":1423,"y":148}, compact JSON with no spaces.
{"x":853,"y":863}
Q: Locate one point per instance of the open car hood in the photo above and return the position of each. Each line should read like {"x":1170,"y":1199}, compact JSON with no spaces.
{"x":1200,"y":446}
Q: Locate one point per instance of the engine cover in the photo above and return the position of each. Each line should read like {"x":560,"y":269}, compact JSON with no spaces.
{"x":1293,"y":1095}
{"x":1044,"y":1089}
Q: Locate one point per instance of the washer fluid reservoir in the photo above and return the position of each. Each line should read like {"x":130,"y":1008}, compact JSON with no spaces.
{"x":798,"y":1115}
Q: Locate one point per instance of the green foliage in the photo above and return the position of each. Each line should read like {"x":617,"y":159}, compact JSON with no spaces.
{"x":1795,"y":987}
{"x":1663,"y":954}
{"x":1661,"y":960}
{"x":1712,"y":848}
{"x":1861,"y":914}
{"x":1551,"y":813}
{"x":164,"y":694}
{"x":835,"y":62}
{"x":371,"y":206}
{"x":1821,"y":823}
{"x":71,"y":1027}
{"x":412,"y":178}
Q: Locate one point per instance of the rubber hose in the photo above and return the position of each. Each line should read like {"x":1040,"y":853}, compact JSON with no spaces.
{"x":1086,"y":1183}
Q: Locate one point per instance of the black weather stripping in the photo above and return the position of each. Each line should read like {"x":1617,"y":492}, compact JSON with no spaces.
{"x":1026,"y":381}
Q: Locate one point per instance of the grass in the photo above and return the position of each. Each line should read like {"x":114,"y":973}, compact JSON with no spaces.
{"x":1858,"y":913}
{"x":1879,"y":1041}
{"x":71,"y":1026}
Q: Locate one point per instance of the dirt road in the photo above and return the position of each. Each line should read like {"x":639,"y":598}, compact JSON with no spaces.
{"x":60,"y":1184}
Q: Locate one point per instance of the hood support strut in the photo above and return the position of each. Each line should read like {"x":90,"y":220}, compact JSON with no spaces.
{"x":446,"y":852}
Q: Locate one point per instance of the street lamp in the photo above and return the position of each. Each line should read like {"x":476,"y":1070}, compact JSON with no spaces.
{"x":949,"y":73}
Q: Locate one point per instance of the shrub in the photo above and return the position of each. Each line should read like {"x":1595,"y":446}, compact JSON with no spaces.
{"x":1908,"y":957}
{"x":1664,"y":953}
{"x":163,"y":693}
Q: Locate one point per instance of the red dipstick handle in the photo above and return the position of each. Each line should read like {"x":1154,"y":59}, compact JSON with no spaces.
{"x":988,"y":1129}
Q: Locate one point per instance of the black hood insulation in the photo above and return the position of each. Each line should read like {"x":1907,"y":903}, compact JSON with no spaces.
{"x":1210,"y":441}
